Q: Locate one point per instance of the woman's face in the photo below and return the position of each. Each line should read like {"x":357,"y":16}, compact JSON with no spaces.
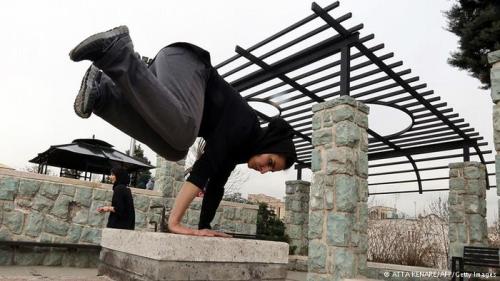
{"x":113,"y":178}
{"x":268,"y":162}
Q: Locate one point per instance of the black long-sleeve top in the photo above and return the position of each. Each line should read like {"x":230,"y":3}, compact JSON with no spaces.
{"x":229,"y":126}
{"x":124,"y":215}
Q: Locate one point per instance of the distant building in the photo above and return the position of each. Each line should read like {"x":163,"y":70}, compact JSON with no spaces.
{"x":274,"y":204}
{"x":382,"y":212}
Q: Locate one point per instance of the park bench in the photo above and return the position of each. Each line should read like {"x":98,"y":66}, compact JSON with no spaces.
{"x":482,"y":257}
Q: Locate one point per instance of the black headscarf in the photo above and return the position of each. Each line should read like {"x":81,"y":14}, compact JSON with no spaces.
{"x":277,"y":138}
{"x":121,"y":176}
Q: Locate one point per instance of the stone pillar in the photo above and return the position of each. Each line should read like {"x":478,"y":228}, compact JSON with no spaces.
{"x":467,"y":207}
{"x":169,"y":176}
{"x":297,"y":215}
{"x":494,"y":60}
{"x":338,"y":210}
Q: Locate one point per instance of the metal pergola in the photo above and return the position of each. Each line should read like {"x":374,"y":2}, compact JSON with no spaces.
{"x":322,"y":57}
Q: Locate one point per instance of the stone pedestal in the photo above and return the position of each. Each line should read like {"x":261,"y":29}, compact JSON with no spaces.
{"x":297,"y":215}
{"x":467,"y":207}
{"x":339,"y":191}
{"x":132,"y":255}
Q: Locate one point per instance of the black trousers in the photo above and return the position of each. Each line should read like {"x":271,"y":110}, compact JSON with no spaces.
{"x":160,"y":105}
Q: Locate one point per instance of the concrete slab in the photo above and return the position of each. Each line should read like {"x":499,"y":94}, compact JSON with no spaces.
{"x":149,"y":256}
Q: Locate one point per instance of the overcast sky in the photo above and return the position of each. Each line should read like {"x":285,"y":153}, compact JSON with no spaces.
{"x":39,"y":82}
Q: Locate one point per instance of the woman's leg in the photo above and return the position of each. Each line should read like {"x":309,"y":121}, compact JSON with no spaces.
{"x":169,"y":96}
{"x":114,"y":109}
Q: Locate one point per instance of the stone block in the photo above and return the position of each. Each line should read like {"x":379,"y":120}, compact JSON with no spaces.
{"x":327,"y":119}
{"x":317,"y":257}
{"x":99,"y":194}
{"x":28,"y":188}
{"x":94,"y":217}
{"x":471,"y":204}
{"x":317,"y":121}
{"x":50,"y":190}
{"x":8,"y":188}
{"x":42,"y":204}
{"x":462,"y":233}
{"x":340,"y":168}
{"x":141,"y":202}
{"x":26,"y":256}
{"x":457,"y":184}
{"x":23,"y":203}
{"x":55,"y":226}
{"x":343,"y":265}
{"x":5,"y":233}
{"x":347,"y":134}
{"x":61,"y":206}
{"x":494,"y":57}
{"x":456,"y":214}
{"x":53,"y":258}
{"x":74,"y":233}
{"x":329,"y":200}
{"x":362,"y":165}
{"x":343,"y":113}
{"x":81,"y":215}
{"x":34,"y":224}
{"x":346,"y":193}
{"x":477,"y":228}
{"x":316,"y":160}
{"x":6,"y":256}
{"x":362,"y":190}
{"x":14,"y":221}
{"x":315,"y":225}
{"x":93,"y":236}
{"x":495,"y":84}
{"x":339,"y":227}
{"x":472,"y":172}
{"x":322,"y":137}
{"x":456,"y":165}
{"x":83,"y":196}
{"x":68,"y":190}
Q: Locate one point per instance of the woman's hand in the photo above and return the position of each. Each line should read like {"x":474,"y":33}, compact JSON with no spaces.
{"x":105,"y":209}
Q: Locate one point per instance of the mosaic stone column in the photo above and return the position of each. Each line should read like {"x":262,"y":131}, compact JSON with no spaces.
{"x":467,"y":207}
{"x":339,"y":191}
{"x":297,"y":215}
{"x":494,"y":60}
{"x":169,"y":176}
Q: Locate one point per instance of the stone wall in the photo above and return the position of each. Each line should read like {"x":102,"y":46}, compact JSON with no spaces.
{"x":41,"y":208}
{"x":467,"y":207}
{"x":297,"y":215}
{"x":169,"y":176}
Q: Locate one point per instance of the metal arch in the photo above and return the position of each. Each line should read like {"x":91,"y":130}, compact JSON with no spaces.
{"x":398,"y":108}
{"x":412,"y":161}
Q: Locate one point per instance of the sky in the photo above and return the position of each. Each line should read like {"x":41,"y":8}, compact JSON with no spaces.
{"x":39,"y":82}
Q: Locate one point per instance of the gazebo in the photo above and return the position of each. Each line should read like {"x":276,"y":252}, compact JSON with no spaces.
{"x":88,"y":156}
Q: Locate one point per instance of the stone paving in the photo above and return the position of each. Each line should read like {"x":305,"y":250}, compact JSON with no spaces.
{"x":32,"y":273}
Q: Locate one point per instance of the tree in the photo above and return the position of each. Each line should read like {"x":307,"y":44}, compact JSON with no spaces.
{"x":144,"y":175}
{"x":477,"y":24}
{"x":269,"y":226}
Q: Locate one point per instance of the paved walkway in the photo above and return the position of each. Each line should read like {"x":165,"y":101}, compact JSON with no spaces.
{"x":32,"y":273}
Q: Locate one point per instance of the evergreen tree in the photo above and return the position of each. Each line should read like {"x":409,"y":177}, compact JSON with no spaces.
{"x":269,"y":226}
{"x":477,"y":24}
{"x":144,"y":175}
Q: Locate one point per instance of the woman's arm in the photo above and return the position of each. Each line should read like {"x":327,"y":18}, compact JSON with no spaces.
{"x":186,"y":195}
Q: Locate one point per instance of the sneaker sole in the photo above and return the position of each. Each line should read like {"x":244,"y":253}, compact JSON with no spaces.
{"x":123,"y":29}
{"x":84,"y":97}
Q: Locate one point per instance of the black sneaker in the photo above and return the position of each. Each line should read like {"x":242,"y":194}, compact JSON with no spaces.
{"x":96,"y":45}
{"x":87,"y":95}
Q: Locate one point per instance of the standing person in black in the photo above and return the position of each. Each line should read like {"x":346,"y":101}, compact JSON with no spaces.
{"x":170,"y":102}
{"x":121,"y":211}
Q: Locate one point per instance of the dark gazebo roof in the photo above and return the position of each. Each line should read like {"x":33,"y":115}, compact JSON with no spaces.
{"x":90,"y":155}
{"x":318,"y":59}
